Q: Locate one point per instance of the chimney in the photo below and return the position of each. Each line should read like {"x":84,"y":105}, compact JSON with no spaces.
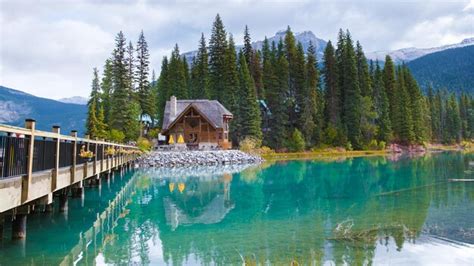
{"x":173,"y":106}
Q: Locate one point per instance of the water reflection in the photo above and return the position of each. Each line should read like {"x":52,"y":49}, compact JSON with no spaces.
{"x":354,"y":211}
{"x":308,"y":212}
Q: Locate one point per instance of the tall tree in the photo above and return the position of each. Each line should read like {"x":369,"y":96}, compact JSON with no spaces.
{"x":352,"y":97}
{"x":231,"y":90}
{"x":200,"y":72}
{"x":144,"y":89}
{"x":332,"y":91}
{"x":177,"y":76}
{"x":217,"y":59}
{"x":107,"y":89}
{"x":248,"y":105}
{"x":256,"y":73}
{"x":310,"y":123}
{"x":389,"y":84}
{"x":382,"y":106}
{"x":163,"y":89}
{"x":247,"y":49}
{"x":130,"y":61}
{"x":92,"y":105}
{"x":276,"y":97}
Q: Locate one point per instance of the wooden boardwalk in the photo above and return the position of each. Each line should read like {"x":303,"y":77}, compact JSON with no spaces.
{"x":36,"y":166}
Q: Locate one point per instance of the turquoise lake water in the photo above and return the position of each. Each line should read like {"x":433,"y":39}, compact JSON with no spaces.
{"x":377,"y":210}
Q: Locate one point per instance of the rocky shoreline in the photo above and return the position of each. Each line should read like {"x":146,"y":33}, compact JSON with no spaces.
{"x":195,"y":158}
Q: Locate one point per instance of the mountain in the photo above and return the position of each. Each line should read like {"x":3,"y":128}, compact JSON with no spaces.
{"x":304,"y":37}
{"x":412,"y":53}
{"x":16,"y":106}
{"x":75,"y":100}
{"x":452,"y":69}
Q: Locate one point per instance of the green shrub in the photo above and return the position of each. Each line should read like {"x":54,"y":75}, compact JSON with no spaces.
{"x":250,"y":145}
{"x":382,"y":145}
{"x":144,"y":144}
{"x":296,"y":142}
{"x":153,"y":133}
{"x":116,"y":135}
{"x":348,"y":146}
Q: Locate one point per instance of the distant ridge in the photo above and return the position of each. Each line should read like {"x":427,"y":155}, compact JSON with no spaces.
{"x":16,"y":106}
{"x":75,"y":100}
{"x":412,"y":53}
{"x":304,"y":37}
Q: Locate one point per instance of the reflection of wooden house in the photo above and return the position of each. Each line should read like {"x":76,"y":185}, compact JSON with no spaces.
{"x":199,"y":123}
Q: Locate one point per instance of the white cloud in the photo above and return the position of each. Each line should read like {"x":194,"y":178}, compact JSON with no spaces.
{"x":50,"y":47}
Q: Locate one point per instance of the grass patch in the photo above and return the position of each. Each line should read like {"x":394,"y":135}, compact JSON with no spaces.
{"x":321,"y":154}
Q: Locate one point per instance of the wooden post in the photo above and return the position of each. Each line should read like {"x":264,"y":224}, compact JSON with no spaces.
{"x":74,"y":156}
{"x":26,"y":180}
{"x":57,"y":130}
{"x":95,"y":158}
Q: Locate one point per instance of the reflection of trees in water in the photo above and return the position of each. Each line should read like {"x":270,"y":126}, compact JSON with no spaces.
{"x":289,"y":211}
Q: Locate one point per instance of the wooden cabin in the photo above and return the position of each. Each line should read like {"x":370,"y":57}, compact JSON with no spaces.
{"x":200,"y":124}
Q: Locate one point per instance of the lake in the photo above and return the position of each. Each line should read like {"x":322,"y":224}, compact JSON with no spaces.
{"x":379,"y":210}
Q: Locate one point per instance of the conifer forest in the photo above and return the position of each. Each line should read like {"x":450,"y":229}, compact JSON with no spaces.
{"x":280,"y":95}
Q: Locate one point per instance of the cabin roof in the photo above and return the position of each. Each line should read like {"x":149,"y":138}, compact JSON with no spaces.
{"x":211,"y":109}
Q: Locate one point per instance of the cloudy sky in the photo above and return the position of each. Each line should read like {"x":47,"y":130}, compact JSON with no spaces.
{"x":48,"y":48}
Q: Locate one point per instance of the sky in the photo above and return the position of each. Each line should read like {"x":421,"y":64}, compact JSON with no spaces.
{"x":48,"y":48}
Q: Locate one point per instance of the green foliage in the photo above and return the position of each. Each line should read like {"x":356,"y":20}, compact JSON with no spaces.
{"x":250,"y":144}
{"x":116,"y":136}
{"x":296,"y":141}
{"x":217,"y":59}
{"x":144,"y":144}
{"x":199,"y":87}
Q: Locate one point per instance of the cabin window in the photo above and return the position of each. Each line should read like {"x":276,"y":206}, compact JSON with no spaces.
{"x":226,"y":136}
{"x":220,"y":135}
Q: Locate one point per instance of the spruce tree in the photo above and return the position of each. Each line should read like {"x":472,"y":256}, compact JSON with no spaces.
{"x":107,"y":89}
{"x":232,"y":92}
{"x":200,"y":72}
{"x":163,"y":89}
{"x":403,"y":111}
{"x":177,"y":76}
{"x":256,"y":73}
{"x":368,"y":112}
{"x":144,"y":89}
{"x":101,"y":127}
{"x":416,"y":105}
{"x":248,"y":105}
{"x":352,"y":97}
{"x":217,"y":59}
{"x":277,"y":100}
{"x":92,"y":104}
{"x":311,"y":128}
{"x":453,"y":120}
{"x":389,"y":84}
{"x":247,"y":49}
{"x":295,"y":72}
{"x":130,"y":61}
{"x":332,"y":90}
{"x":382,"y":107}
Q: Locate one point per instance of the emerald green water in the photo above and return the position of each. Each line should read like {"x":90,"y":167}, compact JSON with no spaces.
{"x":351,"y":211}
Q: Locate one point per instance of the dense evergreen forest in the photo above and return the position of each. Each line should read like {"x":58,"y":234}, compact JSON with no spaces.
{"x":349,"y":102}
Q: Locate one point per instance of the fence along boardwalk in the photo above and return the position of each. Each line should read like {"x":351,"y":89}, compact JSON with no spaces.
{"x":37,"y":165}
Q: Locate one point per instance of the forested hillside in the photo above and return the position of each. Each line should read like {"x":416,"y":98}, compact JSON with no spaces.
{"x":349,"y":102}
{"x":452,"y":69}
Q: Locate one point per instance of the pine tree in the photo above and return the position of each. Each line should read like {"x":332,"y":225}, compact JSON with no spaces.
{"x":163,"y":89}
{"x":107,"y":89}
{"x":247,"y":49}
{"x":177,"y":76}
{"x":217,"y":59}
{"x":101,"y":127}
{"x":404,"y":122}
{"x":256,"y":73}
{"x":382,"y":107}
{"x":187,"y":77}
{"x":120,"y":99}
{"x":200,"y":73}
{"x":352,"y":98}
{"x":389,"y":84}
{"x":311,"y":130}
{"x":453,"y":120}
{"x":276,"y":97}
{"x":295,"y":72}
{"x":416,"y":105}
{"x":144,"y":89}
{"x":231,"y":90}
{"x":131,"y":70}
{"x":332,"y":90}
{"x":92,"y":121}
{"x":94,"y":101}
{"x":249,"y":109}
{"x":368,"y":112}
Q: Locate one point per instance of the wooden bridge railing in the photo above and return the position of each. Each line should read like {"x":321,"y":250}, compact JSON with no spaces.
{"x":26,"y":150}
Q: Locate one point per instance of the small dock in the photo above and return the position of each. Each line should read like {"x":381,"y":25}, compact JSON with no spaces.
{"x":39,"y":167}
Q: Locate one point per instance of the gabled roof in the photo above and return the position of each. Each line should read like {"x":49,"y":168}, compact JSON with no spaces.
{"x":212,"y":110}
